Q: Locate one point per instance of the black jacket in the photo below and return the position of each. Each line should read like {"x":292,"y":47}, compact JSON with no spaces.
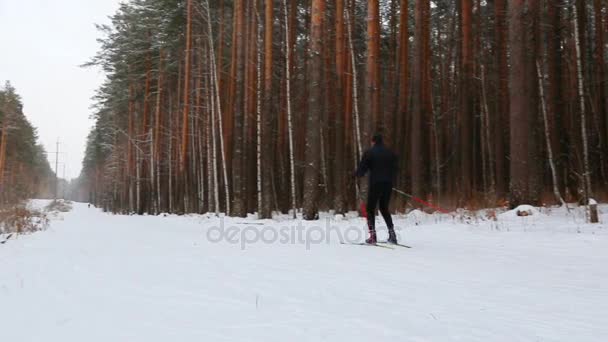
{"x":380,"y":162}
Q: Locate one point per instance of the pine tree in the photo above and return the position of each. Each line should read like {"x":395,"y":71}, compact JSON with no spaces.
{"x":313,"y":148}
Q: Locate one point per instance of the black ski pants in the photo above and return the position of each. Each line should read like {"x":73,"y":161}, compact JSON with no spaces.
{"x":379,"y":193}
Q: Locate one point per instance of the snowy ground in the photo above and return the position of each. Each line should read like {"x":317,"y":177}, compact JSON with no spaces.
{"x":97,"y":277}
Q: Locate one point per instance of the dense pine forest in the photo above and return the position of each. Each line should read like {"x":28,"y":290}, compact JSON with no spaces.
{"x":266,"y":105}
{"x":24,"y":170}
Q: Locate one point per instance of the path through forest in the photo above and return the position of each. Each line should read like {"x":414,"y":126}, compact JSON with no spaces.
{"x":96,"y":277}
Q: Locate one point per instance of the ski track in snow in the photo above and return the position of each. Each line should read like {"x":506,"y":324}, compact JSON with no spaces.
{"x":98,"y":277}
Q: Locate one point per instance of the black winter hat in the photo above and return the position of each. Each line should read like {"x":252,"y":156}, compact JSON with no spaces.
{"x":377,"y":138}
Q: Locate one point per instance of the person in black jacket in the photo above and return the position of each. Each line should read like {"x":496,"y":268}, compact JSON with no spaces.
{"x":382,"y":166}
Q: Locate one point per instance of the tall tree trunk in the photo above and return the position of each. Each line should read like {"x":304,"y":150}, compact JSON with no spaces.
{"x":183,"y":168}
{"x":311,"y":172}
{"x":390,"y":86}
{"x":582,"y":108}
{"x":427,"y":100}
{"x":339,"y":170}
{"x":486,"y":132}
{"x":218,"y":102}
{"x":143,"y":134}
{"x":554,"y":101}
{"x":403,"y":67}
{"x":157,"y":126}
{"x":130,"y":147}
{"x":238,"y":205}
{"x":259,"y":119}
{"x":418,"y":147}
{"x":288,"y":66}
{"x":604,"y":17}
{"x":358,"y":135}
{"x":219,"y":55}
{"x":267,"y":113}
{"x":602,"y":83}
{"x":501,"y":121}
{"x":522,"y":108}
{"x":374,"y":118}
{"x":466,"y":102}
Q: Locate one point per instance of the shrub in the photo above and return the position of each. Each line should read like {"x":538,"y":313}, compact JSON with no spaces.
{"x":19,"y":219}
{"x":62,"y":206}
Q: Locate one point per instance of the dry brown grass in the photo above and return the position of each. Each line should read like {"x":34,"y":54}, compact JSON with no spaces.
{"x":19,"y":219}
{"x":62,"y":206}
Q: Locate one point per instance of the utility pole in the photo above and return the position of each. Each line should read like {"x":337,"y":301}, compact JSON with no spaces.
{"x":65,"y":179}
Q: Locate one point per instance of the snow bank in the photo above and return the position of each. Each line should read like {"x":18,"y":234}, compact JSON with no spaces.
{"x":520,"y":211}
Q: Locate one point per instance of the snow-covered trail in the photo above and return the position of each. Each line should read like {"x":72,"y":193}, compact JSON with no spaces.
{"x":98,"y":277}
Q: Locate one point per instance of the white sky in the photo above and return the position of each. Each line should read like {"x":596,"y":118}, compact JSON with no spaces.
{"x":42,"y":44}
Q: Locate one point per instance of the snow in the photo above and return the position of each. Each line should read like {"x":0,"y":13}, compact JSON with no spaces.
{"x":97,"y":277}
{"x":522,"y":210}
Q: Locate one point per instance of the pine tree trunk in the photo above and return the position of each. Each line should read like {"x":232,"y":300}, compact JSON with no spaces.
{"x":501,"y":121}
{"x":313,"y":148}
{"x":183,"y":165}
{"x":267,"y":157}
{"x":602,"y":83}
{"x":466,"y":102}
{"x":522,"y":108}
{"x":217,"y":88}
{"x":239,"y":115}
{"x":339,"y":170}
{"x":486,"y":133}
{"x":219,"y":56}
{"x":427,"y":114}
{"x":157,"y":136}
{"x":259,"y":130}
{"x":144,"y":186}
{"x":554,"y":101}
{"x":198,"y":125}
{"x":403,"y":101}
{"x":418,"y":145}
{"x":374,"y":118}
{"x":130,"y":148}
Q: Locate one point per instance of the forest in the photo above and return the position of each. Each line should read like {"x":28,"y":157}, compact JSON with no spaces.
{"x":24,"y":170}
{"x":241,"y":106}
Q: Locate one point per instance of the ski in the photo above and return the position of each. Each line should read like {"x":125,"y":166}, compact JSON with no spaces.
{"x":5,"y":240}
{"x":365,"y":244}
{"x":393,"y":244}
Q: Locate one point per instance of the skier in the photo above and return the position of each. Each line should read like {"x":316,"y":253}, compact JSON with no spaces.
{"x":382,"y":165}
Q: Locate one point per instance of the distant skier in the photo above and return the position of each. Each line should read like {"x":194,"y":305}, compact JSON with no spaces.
{"x":382,"y":165}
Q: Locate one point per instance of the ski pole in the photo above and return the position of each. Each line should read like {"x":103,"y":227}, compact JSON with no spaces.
{"x":427,"y":204}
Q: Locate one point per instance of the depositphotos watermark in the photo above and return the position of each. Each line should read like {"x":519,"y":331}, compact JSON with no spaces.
{"x":295,"y":232}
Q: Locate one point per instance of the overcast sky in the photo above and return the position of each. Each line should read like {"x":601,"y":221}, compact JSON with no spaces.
{"x":42,"y":44}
